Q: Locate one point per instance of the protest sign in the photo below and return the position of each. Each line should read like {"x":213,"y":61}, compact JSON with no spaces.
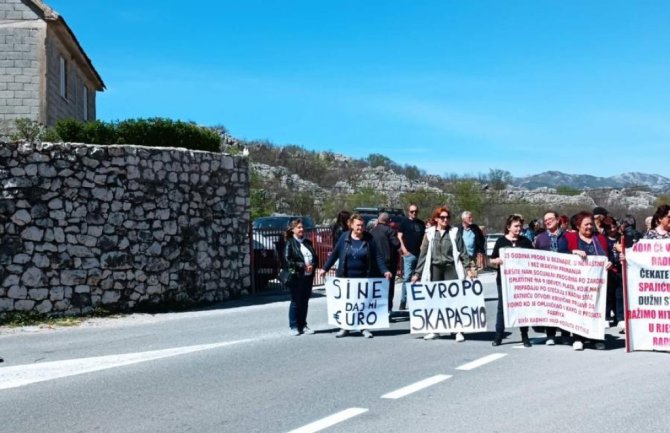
{"x":543,"y":288}
{"x":357,"y":303}
{"x":648,"y":295}
{"x":447,"y":306}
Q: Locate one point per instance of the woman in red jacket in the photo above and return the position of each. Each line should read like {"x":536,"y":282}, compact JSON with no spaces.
{"x":586,"y":241}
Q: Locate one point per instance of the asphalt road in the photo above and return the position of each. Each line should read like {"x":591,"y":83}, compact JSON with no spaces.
{"x":238,"y":370}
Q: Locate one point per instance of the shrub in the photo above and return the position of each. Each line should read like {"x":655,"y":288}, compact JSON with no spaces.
{"x":155,"y":132}
{"x":31,"y":130}
{"x":567,"y":190}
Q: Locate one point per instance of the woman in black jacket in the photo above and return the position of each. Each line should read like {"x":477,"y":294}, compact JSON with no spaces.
{"x":299,"y":257}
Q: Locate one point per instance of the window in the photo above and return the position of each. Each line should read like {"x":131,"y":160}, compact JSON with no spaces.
{"x":85,"y":103}
{"x":63,"y":77}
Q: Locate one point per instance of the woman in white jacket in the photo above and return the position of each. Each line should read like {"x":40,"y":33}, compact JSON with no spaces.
{"x":443,"y":257}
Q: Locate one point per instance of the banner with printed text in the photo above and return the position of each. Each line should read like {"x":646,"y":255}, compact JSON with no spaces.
{"x":648,"y":295}
{"x":543,"y":288}
{"x":447,"y":306}
{"x":357,"y":303}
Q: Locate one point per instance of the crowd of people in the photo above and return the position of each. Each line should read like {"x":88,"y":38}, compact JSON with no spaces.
{"x":437,"y":250}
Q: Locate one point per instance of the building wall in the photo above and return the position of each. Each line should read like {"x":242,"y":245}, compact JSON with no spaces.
{"x":72,"y":106}
{"x":85,"y":226}
{"x":21,"y":46}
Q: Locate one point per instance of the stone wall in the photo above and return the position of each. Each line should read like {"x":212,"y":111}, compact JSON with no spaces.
{"x":83,"y":226}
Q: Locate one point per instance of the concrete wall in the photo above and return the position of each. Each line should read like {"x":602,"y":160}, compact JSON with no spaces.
{"x":84,"y":226}
{"x":21,"y":47}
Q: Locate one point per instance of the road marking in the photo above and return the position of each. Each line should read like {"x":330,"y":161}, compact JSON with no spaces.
{"x":330,"y":421}
{"x":402,"y":392}
{"x":481,"y":361}
{"x":21,"y":375}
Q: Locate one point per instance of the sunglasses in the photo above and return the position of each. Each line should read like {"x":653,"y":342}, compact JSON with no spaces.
{"x":444,"y":217}
{"x":413,"y":211}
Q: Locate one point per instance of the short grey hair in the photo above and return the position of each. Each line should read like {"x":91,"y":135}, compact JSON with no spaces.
{"x":466,"y":213}
{"x":383,"y":218}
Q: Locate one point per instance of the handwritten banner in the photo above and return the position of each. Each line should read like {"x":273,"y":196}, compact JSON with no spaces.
{"x":447,"y":306}
{"x":357,"y":303}
{"x":543,"y":288}
{"x":648,"y":295}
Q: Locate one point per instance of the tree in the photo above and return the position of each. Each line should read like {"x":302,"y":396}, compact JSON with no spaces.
{"x":378,"y":160}
{"x":426,"y":200}
{"x":468,"y":196}
{"x":499,"y":179}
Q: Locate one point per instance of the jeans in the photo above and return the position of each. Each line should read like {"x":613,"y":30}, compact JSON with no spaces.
{"x":408,"y":267}
{"x":301,"y":291}
{"x":617,"y":282}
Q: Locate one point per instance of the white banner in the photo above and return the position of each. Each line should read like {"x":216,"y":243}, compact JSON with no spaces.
{"x":648,"y":300}
{"x":447,"y":306}
{"x":543,"y":288}
{"x":358,"y":303}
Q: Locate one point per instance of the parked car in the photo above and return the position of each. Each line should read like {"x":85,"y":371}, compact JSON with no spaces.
{"x":275,"y":226}
{"x":378,"y":210}
{"x":371,"y":220}
{"x":370,"y":215}
{"x":491,"y":242}
{"x":266,"y":261}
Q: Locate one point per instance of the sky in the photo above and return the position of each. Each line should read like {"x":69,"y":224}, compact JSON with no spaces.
{"x":451,"y":86}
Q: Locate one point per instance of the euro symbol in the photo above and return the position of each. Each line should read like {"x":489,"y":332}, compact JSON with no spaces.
{"x":336,"y":316}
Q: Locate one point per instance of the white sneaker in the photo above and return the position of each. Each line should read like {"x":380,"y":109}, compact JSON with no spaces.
{"x":621,"y":324}
{"x":578,"y":345}
{"x":366,"y":333}
{"x":295,"y":332}
{"x":307,"y":331}
{"x":600,"y":345}
{"x":550,"y":342}
{"x":459,"y":337}
{"x":431,"y":336}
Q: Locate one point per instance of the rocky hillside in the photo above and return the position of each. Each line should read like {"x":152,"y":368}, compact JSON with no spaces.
{"x":291,"y":179}
{"x":653,"y":182}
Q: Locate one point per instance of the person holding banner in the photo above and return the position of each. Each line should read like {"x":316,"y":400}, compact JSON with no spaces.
{"x":552,"y":239}
{"x":357,"y":257}
{"x":443,"y":257}
{"x":660,"y":224}
{"x":512,"y":239}
{"x":300,"y":257}
{"x":587,"y":242}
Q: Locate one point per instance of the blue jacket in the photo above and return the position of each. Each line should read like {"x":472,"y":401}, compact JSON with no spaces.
{"x":542,"y":242}
{"x":375,"y":262}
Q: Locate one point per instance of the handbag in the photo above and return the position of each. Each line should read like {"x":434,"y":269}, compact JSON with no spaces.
{"x":287,"y":276}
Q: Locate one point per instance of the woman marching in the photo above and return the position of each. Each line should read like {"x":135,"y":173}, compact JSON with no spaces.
{"x":512,"y":239}
{"x":357,"y":257}
{"x":443,"y":257}
{"x":586,"y":241}
{"x":301,"y":259}
{"x":660,"y":226}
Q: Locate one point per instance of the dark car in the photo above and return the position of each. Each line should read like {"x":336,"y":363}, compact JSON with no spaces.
{"x":266,"y":261}
{"x":377,"y":210}
{"x":274,"y":227}
{"x":371,"y":218}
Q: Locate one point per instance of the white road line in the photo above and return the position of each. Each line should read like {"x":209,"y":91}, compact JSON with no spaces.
{"x":402,"y":392}
{"x":21,"y":375}
{"x":481,"y":361}
{"x":330,"y":421}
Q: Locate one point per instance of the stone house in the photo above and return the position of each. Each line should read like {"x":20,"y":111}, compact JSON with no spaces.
{"x":45,"y":75}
